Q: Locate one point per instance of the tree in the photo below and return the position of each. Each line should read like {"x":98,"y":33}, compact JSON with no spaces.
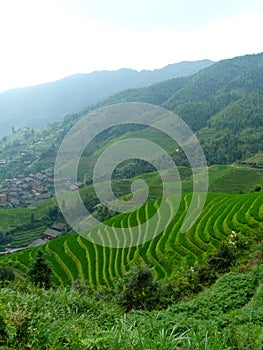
{"x":139,"y":290}
{"x":40,"y":272}
{"x":32,"y":218}
{"x":6,"y":273}
{"x":222,"y":260}
{"x":3,"y":332}
{"x":53,"y":213}
{"x":257,"y":188}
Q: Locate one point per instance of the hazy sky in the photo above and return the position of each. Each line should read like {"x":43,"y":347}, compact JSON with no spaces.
{"x":45,"y":40}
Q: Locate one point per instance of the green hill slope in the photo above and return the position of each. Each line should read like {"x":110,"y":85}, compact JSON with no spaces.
{"x":16,"y":225}
{"x":73,"y":257}
{"x":222,"y":103}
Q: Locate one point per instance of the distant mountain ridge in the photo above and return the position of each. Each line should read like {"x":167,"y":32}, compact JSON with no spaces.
{"x":38,"y":105}
{"x":222,"y":103}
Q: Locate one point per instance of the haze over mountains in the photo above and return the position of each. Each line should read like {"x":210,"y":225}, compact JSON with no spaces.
{"x":38,"y":105}
{"x":222,"y":103}
{"x":215,"y":268}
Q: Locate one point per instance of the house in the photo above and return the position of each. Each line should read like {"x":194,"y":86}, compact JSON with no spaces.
{"x":15,"y":202}
{"x":40,"y":176}
{"x":44,"y":196}
{"x":13,"y":194}
{"x":2,"y":199}
{"x":50,"y":234}
{"x":73,"y":187}
{"x":58,"y":226}
{"x":36,"y":185}
{"x":28,"y":179}
{"x":80,"y":184}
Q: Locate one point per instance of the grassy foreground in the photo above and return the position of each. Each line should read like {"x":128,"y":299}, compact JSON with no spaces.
{"x":226,"y":316}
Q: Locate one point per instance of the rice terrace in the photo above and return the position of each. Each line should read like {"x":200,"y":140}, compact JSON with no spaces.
{"x":181,"y":266}
{"x":75,"y":258}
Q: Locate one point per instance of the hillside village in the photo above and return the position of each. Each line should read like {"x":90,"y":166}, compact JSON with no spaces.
{"x":131,"y":175}
{"x":28,"y":190}
{"x":31,"y":190}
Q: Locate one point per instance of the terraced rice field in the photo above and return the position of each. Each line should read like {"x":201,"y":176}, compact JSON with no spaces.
{"x":74,"y":257}
{"x":11,"y":218}
{"x":20,"y":240}
{"x":234,"y":179}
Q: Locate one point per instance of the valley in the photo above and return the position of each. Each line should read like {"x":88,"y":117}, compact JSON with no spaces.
{"x":199,"y":289}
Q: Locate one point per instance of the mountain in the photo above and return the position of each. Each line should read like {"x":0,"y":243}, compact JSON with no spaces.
{"x":38,"y":105}
{"x":195,"y":290}
{"x":221,"y":103}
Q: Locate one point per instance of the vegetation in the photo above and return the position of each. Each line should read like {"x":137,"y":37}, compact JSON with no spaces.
{"x":40,"y":272}
{"x":6,"y":273}
{"x":21,"y":226}
{"x":222,"y":103}
{"x":17,"y":228}
{"x":201,"y":289}
{"x":227,"y":315}
{"x":73,"y":257}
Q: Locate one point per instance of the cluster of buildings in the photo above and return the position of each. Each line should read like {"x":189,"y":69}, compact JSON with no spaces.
{"x":33,"y":189}
{"x":27,"y":190}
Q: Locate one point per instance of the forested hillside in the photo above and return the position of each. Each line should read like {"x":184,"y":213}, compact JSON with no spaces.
{"x":199,"y":289}
{"x":222,"y":103}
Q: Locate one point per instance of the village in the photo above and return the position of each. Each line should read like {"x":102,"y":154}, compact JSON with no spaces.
{"x":31,"y":190}
{"x":24,"y":191}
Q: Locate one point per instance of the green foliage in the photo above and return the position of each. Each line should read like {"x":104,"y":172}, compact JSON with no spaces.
{"x":257,"y":188}
{"x":53,"y":213}
{"x":6,"y":273}
{"x":223,"y":259}
{"x":236,"y":131}
{"x":5,"y":239}
{"x":227,"y":315}
{"x":223,"y":103}
{"x":32,"y":218}
{"x":140,"y":291}
{"x":40,"y":273}
{"x":3,"y":330}
{"x":73,"y":257}
{"x":103,"y":213}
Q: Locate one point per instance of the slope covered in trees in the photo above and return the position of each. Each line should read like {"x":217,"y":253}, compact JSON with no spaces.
{"x":222,"y":103}
{"x":210,"y":276}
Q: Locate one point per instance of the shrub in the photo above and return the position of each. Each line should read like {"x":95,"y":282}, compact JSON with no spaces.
{"x":3,"y":332}
{"x":40,"y":272}
{"x":140,"y":291}
{"x":223,"y":259}
{"x":6,"y":273}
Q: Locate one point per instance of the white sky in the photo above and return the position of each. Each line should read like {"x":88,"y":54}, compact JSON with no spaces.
{"x":46,"y":40}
